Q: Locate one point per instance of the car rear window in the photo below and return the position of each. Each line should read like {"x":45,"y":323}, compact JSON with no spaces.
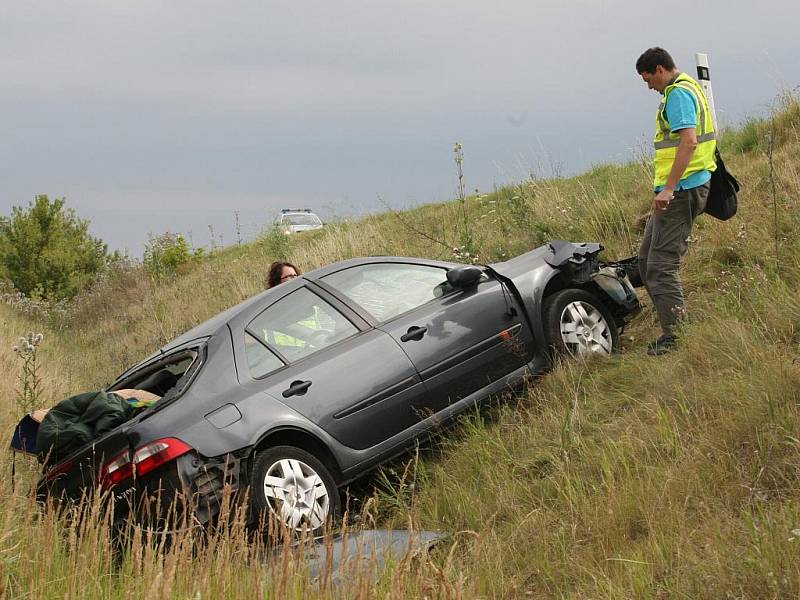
{"x":162,"y":376}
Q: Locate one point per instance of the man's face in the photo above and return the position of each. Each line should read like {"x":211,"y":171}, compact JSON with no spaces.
{"x":657,"y":81}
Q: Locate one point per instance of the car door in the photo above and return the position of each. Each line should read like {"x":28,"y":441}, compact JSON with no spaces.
{"x":352,"y":380}
{"x":459,"y":340}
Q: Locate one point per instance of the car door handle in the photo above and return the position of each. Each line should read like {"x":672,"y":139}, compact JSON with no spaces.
{"x":297,"y":388}
{"x":413,"y":333}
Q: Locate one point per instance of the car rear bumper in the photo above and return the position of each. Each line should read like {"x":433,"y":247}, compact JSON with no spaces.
{"x":191,"y":486}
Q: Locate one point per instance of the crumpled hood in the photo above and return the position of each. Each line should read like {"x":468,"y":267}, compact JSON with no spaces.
{"x":530,"y":272}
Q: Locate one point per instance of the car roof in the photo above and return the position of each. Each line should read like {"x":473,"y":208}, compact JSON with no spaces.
{"x":367,"y":260}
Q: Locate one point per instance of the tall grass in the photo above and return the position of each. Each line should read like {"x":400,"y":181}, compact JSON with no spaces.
{"x":674,"y":477}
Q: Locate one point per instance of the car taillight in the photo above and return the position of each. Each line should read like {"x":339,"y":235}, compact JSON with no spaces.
{"x":145,"y":458}
{"x":153,"y":455}
{"x":119,"y":468}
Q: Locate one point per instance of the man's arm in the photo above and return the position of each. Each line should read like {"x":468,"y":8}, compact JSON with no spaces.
{"x":683,"y":157}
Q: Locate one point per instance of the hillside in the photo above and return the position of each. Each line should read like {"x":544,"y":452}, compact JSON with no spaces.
{"x":628,"y":477}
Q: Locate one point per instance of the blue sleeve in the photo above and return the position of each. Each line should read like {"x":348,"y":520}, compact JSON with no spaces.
{"x":681,"y":110}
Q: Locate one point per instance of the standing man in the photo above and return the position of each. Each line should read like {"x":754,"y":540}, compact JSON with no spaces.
{"x":685,"y":142}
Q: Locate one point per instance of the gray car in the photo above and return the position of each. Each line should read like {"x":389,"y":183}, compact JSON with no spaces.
{"x":306,"y":387}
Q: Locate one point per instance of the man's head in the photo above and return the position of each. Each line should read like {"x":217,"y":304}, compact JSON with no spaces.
{"x":657,"y":68}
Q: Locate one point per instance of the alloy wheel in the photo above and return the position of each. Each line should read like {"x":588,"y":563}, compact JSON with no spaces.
{"x":584,"y":330}
{"x":296,"y":494}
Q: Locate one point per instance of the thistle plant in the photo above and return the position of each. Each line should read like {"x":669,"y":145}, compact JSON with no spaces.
{"x":467,"y":249}
{"x":30,"y":388}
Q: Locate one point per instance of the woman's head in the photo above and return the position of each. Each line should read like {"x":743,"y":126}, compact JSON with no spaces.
{"x":281,"y":272}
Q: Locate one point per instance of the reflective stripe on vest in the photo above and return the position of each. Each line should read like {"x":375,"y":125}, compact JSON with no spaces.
{"x":666,"y":143}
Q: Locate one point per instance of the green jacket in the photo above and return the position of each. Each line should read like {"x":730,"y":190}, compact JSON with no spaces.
{"x":78,"y":420}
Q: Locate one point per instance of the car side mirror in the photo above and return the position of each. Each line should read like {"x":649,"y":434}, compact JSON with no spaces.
{"x":464,"y":277}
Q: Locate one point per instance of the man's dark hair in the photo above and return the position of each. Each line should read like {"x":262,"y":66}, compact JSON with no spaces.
{"x":275,"y":270}
{"x":651,"y":58}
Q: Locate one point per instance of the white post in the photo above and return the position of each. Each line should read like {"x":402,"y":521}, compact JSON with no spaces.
{"x":704,"y":79}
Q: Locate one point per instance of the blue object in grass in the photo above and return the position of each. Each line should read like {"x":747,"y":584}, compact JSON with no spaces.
{"x":24,"y":438}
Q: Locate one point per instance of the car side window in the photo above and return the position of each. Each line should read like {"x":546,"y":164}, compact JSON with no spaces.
{"x":300,"y":324}
{"x":386,"y":290}
{"x":260,"y":359}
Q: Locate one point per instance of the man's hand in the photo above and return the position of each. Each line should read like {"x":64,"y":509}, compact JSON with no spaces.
{"x":663,"y":198}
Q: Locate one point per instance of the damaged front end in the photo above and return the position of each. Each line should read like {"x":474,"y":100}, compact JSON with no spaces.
{"x":562,"y":265}
{"x":579,"y":265}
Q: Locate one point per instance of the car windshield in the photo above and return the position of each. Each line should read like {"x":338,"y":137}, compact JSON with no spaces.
{"x":302,"y":219}
{"x":387,"y":290}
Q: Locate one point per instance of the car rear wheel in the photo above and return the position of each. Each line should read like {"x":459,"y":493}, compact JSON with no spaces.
{"x":293,"y":487}
{"x":578,"y":324}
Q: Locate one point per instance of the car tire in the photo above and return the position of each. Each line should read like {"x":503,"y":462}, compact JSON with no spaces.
{"x":294,"y":488}
{"x":578,"y":324}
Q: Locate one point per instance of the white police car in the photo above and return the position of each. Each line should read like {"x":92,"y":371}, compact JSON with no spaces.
{"x":292,"y":220}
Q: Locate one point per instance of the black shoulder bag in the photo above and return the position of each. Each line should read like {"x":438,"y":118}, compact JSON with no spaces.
{"x":721,"y":203}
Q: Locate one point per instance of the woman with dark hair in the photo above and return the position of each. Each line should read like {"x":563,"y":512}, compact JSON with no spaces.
{"x":280,"y":272}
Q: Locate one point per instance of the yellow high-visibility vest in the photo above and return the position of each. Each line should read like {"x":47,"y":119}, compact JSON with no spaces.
{"x":666,"y":143}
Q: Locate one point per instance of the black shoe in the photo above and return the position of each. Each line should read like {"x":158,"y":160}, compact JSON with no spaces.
{"x":662,"y":345}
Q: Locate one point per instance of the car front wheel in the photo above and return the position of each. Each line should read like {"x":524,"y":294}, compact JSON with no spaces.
{"x":295,"y":488}
{"x":577,"y":323}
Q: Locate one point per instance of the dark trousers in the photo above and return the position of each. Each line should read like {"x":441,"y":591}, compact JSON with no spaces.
{"x":663,"y":247}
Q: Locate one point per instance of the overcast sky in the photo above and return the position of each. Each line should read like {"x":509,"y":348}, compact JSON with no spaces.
{"x":154,"y":116}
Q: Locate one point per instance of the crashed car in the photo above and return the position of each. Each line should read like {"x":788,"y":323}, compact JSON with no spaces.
{"x":307,"y":386}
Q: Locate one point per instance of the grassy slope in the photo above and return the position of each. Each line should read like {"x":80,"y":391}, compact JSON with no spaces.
{"x":629,"y":477}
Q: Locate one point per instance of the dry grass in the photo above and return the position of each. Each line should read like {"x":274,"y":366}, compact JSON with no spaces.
{"x":633,"y":477}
